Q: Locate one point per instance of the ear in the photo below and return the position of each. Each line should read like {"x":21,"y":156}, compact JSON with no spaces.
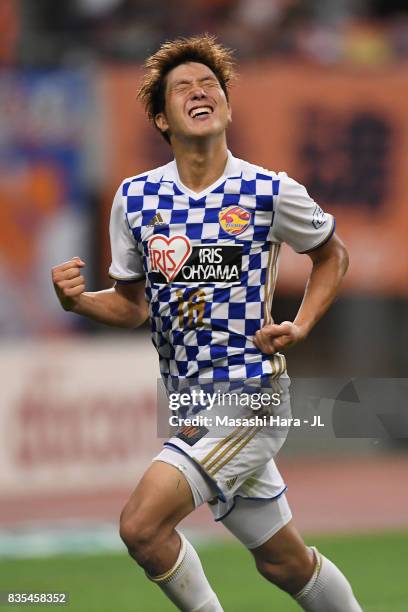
{"x":229,"y":113}
{"x":161,"y":122}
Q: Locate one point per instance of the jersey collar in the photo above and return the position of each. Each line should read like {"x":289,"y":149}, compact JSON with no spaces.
{"x":232,"y":170}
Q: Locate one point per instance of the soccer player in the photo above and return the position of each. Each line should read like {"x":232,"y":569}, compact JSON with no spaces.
{"x":195,"y":247}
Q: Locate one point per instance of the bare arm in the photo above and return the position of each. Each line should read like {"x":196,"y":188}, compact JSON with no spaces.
{"x":124,"y":305}
{"x":330,"y":263}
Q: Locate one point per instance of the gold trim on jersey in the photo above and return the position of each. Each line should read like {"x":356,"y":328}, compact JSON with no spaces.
{"x":278,"y":365}
{"x":271,"y":271}
{"x":267,"y":315}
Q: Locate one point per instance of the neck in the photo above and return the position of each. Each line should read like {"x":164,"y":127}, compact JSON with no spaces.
{"x":200,"y":164}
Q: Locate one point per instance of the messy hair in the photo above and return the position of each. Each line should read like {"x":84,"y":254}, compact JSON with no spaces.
{"x":203,"y":49}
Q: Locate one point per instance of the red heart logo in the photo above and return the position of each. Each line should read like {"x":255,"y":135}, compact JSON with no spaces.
{"x":167,"y":255}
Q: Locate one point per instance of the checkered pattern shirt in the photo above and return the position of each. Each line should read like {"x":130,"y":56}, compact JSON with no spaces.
{"x":210,"y":261}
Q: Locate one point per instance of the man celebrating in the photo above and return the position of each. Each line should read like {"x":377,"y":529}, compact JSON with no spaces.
{"x":195,"y":247}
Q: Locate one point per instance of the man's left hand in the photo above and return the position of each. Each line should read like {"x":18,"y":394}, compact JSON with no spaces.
{"x":272,"y":338}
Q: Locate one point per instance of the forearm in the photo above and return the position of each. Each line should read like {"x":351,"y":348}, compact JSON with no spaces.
{"x":111,"y":308}
{"x":330,"y":263}
{"x":321,"y":290}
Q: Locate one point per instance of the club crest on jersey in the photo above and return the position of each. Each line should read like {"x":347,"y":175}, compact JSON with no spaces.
{"x":234,"y":219}
{"x":167,"y":255}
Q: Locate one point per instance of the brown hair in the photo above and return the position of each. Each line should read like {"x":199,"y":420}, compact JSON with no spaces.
{"x":202,"y":49}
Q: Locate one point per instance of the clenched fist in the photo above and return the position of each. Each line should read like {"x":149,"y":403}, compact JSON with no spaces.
{"x":69,"y":282}
{"x":272,"y":338}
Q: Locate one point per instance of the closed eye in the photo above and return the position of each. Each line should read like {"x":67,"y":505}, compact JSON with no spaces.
{"x":209,"y":81}
{"x":180,"y":87}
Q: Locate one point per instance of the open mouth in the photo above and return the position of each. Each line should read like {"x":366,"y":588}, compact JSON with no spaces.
{"x":201,"y":112}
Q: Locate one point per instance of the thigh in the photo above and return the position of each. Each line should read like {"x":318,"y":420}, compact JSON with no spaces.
{"x":255,"y":522}
{"x":163,"y":496}
{"x":202,"y":488}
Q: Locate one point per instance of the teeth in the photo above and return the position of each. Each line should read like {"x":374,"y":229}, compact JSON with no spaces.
{"x":200,"y":110}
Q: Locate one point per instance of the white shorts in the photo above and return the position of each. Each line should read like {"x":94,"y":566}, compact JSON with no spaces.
{"x":232,"y":468}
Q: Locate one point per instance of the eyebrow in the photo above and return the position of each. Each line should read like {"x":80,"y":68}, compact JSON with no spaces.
{"x":189,"y":81}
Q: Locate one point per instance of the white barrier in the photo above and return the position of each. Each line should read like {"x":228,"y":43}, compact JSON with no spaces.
{"x":76,"y":414}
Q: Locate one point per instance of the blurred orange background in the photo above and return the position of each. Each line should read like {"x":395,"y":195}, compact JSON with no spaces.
{"x":321,"y":95}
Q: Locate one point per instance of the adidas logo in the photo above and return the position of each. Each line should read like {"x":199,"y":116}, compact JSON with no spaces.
{"x":230,"y":483}
{"x":156,"y":220}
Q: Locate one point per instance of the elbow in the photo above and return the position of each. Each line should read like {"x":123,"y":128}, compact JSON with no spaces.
{"x":139,"y":315}
{"x":337,"y":250}
{"x":143,"y":316}
{"x":333,"y":253}
{"x":343,"y":259}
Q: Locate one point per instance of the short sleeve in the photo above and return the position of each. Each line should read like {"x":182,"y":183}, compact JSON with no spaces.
{"x":127,"y":262}
{"x":299,"y":221}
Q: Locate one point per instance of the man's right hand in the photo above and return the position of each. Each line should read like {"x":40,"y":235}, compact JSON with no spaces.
{"x":69,"y":283}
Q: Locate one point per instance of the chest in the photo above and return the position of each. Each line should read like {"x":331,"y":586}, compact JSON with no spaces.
{"x":206,"y":240}
{"x":232,"y":218}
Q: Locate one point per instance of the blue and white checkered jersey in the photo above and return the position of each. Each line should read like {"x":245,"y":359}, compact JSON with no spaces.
{"x":210,"y":261}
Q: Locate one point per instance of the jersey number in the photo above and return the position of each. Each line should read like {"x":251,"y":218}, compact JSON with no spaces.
{"x":195,"y":308}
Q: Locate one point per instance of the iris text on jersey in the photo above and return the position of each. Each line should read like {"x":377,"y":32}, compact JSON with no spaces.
{"x":167,"y":255}
{"x":212,"y":264}
{"x":175,"y":260}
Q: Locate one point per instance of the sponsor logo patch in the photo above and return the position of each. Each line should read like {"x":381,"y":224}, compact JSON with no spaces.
{"x":167,"y":255}
{"x":171,"y":260}
{"x":191,"y":435}
{"x":234,"y":219}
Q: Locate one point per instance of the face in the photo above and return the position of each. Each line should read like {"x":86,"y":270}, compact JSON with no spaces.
{"x":195,"y":103}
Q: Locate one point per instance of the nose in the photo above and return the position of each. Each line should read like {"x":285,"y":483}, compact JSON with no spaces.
{"x":198,"y":93}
